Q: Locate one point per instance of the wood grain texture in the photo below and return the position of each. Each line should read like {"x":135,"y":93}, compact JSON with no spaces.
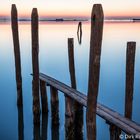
{"x":44,"y":99}
{"x":69,"y":103}
{"x":35,"y":65}
{"x":14,"y":26}
{"x":97,"y":18}
{"x":130,"y":64}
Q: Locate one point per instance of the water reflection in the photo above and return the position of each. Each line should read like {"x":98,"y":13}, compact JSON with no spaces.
{"x":113,"y":71}
{"x":79,"y":37}
{"x":20,"y":124}
{"x":69,"y":128}
{"x":36,"y":132}
{"x":54,"y":114}
{"x":55,"y":131}
{"x":41,"y":135}
{"x":44,"y":126}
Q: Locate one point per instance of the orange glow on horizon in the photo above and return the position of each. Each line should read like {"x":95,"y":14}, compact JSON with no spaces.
{"x":71,"y":13}
{"x":122,"y":14}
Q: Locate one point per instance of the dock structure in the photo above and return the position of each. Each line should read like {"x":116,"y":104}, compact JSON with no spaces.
{"x":75,"y":100}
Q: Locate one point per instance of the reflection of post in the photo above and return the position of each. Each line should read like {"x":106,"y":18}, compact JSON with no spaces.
{"x":44,"y":126}
{"x":44,"y":99}
{"x":14,"y":23}
{"x":54,"y":113}
{"x":78,"y":121}
{"x":35,"y":63}
{"x":114,"y":132}
{"x":79,"y":36}
{"x":79,"y":32}
{"x":130,"y":63}
{"x":36,"y":132}
{"x":94,"y":69}
{"x":20,"y":124}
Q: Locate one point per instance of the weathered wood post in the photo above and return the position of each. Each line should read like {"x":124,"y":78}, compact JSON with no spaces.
{"x":54,"y":113}
{"x":78,"y":121}
{"x":14,"y":25}
{"x":130,"y":64}
{"x":44,"y":99}
{"x":69,"y":103}
{"x":20,"y":124}
{"x":35,"y":65}
{"x":97,"y":19}
{"x":44,"y":126}
{"x":114,"y":132}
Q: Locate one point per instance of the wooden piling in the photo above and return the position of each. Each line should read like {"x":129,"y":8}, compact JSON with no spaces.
{"x":54,"y":105}
{"x":78,"y":121}
{"x":69,"y":102}
{"x":44,"y":99}
{"x":14,"y":25}
{"x":130,"y":64}
{"x":115,"y":132}
{"x":35,"y":66}
{"x":20,"y":124}
{"x":54,"y":113}
{"x":55,"y":132}
{"x":97,"y":18}
{"x":44,"y":126}
{"x":112,"y":129}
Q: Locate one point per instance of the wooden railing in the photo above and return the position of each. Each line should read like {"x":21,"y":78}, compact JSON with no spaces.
{"x":112,"y":117}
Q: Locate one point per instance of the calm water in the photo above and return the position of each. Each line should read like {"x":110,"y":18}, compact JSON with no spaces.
{"x":54,"y":62}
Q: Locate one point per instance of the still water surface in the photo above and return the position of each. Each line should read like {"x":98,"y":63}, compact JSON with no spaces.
{"x":53,"y":55}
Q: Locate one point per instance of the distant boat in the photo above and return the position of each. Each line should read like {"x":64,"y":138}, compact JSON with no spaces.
{"x":59,"y":19}
{"x":136,"y":19}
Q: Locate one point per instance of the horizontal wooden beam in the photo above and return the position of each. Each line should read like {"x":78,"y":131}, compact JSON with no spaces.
{"x":104,"y":112}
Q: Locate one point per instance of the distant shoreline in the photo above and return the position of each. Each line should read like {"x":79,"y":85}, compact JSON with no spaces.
{"x":71,"y":20}
{"x":44,"y":20}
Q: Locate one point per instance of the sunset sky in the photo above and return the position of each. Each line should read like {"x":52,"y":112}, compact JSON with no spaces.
{"x":72,"y":8}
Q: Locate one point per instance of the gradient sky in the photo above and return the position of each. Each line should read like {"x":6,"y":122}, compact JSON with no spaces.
{"x":72,"y":8}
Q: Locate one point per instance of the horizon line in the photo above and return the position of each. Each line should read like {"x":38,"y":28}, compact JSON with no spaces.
{"x":72,"y":17}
